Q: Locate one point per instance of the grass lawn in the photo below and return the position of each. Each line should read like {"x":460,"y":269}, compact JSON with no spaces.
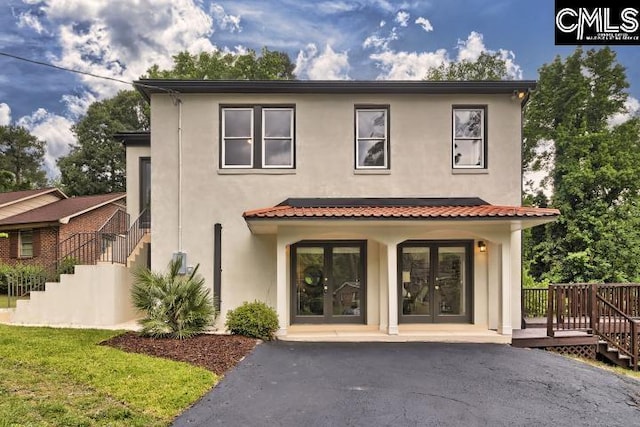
{"x":61,"y":377}
{"x":4,"y":300}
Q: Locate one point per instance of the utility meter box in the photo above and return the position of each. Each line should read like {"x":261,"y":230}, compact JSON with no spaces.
{"x":182,"y":257}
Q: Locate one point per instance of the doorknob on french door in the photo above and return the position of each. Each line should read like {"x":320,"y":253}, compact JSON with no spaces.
{"x":437,"y":287}
{"x":325,"y":288}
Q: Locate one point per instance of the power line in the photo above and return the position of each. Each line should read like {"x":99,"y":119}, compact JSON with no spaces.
{"x":70,"y":70}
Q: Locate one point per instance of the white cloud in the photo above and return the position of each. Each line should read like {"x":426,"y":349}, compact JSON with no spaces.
{"x":382,"y":23}
{"x":117,"y":40}
{"x":77,"y":105}
{"x":631,"y":109}
{"x":224,"y":20}
{"x":424,"y":23}
{"x":408,"y":65}
{"x":402,"y":18}
{"x":328,"y":65}
{"x":5,"y":114}
{"x":380,"y":42}
{"x":471,"y":48}
{"x":55,"y":130}
{"x":30,"y":20}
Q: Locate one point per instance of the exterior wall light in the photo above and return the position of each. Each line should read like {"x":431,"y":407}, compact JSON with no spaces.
{"x":482,"y":246}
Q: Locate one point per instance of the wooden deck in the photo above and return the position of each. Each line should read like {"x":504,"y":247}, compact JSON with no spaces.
{"x":537,"y":338}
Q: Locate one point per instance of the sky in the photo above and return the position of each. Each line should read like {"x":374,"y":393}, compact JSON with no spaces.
{"x":326,"y":39}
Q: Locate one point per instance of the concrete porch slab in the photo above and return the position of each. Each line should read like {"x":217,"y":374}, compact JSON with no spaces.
{"x":407,"y":333}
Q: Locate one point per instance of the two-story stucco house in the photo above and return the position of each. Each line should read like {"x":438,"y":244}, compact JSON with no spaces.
{"x":384,"y":204}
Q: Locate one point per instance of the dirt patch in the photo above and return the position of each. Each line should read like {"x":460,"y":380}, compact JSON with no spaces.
{"x":217,"y":353}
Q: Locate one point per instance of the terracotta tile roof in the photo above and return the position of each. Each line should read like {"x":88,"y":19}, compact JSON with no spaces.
{"x":14,"y":196}
{"x":401,"y":212}
{"x":56,"y":211}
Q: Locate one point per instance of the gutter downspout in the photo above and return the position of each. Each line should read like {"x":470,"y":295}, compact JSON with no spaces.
{"x":178,"y":101}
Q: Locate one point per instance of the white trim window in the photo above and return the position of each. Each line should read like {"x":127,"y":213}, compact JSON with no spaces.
{"x":257,"y":137}
{"x":372,"y":138}
{"x":237,"y":138}
{"x":277,"y":137}
{"x":469,"y":139}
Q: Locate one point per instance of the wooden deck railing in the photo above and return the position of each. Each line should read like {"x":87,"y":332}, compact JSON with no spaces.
{"x":611,"y":311}
{"x":534,"y":302}
{"x":569,"y":308}
{"x":618,"y":329}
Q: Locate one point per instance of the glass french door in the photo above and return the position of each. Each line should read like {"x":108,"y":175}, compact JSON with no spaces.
{"x":435,"y":281}
{"x":328,"y":282}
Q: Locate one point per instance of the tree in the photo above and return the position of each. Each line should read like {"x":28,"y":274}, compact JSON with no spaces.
{"x":594,"y":170}
{"x":21,"y":159}
{"x":97,"y":163}
{"x":486,"y":67}
{"x":270,"y":65}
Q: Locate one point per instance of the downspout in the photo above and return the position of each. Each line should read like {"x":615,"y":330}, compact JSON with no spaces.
{"x":178,"y":101}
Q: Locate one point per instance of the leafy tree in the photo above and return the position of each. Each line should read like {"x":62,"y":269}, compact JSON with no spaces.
{"x":21,"y":159}
{"x":270,"y":65}
{"x":486,"y":67}
{"x":175,"y":306}
{"x":594,"y":169}
{"x":97,"y":164}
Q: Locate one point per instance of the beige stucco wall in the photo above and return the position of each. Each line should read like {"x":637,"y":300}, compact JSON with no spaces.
{"x":420,"y":142}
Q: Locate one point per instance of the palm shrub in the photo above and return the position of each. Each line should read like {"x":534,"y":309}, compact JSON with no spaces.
{"x":176,"y":306}
{"x":253,"y":319}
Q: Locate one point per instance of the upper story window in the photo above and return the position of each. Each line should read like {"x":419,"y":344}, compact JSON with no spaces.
{"x":372,"y":137}
{"x":469,"y":137}
{"x":257,"y":137}
{"x":25,"y":245}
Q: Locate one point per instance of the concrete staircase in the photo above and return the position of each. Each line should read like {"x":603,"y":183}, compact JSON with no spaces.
{"x":94,"y":296}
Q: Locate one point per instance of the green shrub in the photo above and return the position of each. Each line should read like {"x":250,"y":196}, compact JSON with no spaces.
{"x":253,"y":319}
{"x":176,"y":306}
{"x":67,"y":265}
{"x":32,"y":274}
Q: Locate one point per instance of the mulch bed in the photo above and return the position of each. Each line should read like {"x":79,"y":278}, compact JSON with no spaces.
{"x":217,"y":353}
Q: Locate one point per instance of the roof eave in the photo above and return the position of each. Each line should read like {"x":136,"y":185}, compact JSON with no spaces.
{"x":147,"y":87}
{"x":66,"y":219}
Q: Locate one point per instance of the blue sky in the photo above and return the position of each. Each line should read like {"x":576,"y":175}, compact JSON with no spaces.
{"x":343,"y":39}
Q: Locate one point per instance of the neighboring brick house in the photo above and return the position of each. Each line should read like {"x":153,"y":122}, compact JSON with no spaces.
{"x":40,"y":223}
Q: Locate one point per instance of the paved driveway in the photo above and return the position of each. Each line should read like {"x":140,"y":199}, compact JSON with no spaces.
{"x":414,"y":384}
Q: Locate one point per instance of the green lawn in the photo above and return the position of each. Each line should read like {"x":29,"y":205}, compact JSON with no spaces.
{"x":61,"y":377}
{"x":5,"y":303}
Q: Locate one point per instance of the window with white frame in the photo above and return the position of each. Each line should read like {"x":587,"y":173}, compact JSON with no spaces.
{"x":469,"y":138}
{"x":257,"y":137}
{"x":25,"y":243}
{"x":372,"y":138}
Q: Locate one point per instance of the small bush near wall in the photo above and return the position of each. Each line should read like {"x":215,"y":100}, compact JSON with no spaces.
{"x":253,"y":319}
{"x":28,"y":274}
{"x":176,"y":306}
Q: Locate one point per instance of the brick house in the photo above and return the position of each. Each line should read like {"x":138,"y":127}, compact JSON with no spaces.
{"x":43,"y":226}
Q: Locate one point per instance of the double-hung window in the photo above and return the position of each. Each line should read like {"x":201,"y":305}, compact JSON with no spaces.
{"x":25,"y":244}
{"x":469,"y":137}
{"x":372,"y":137}
{"x":257,"y":137}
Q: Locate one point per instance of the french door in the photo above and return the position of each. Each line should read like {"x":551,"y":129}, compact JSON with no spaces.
{"x":328,"y":282}
{"x":434,"y":279}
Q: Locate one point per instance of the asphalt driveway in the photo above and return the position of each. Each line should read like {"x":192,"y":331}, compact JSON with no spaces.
{"x":414,"y":384}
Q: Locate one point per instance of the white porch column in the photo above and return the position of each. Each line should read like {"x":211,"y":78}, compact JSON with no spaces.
{"x":392,"y":280}
{"x":516,"y":277}
{"x":281,"y":286}
{"x":504,"y":327}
